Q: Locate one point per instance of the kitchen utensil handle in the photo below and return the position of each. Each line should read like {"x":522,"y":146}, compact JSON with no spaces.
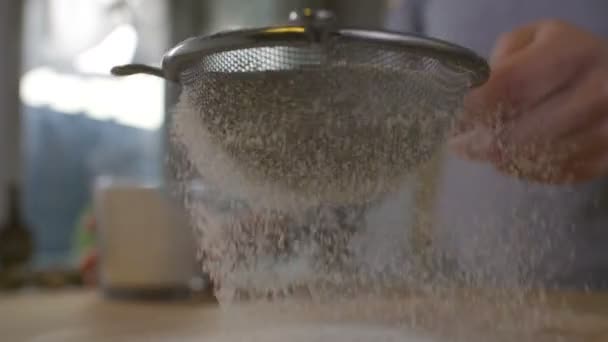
{"x":132,"y":69}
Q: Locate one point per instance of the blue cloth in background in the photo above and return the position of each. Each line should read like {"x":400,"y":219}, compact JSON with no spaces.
{"x":64,"y":153}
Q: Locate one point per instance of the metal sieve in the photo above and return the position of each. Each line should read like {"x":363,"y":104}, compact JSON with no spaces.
{"x":329,"y":114}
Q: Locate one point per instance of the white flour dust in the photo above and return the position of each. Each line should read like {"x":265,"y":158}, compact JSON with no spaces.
{"x":255,"y":242}
{"x":259,"y":242}
{"x":288,"y":189}
{"x":294,"y":159}
{"x":341,"y":135}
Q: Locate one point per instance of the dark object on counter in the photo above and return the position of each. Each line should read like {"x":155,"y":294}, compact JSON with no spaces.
{"x":22,"y":277}
{"x":15,"y":239}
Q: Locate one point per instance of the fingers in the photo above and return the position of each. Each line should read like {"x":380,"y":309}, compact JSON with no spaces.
{"x":530,"y":65}
{"x":588,"y":169}
{"x":506,"y":46}
{"x":543,"y":113}
{"x":559,"y":173}
{"x":513,"y":42}
{"x":581,"y":157}
{"x":475,"y":144}
{"x":536,"y":163}
{"x":589,"y":143}
{"x":566,"y":112}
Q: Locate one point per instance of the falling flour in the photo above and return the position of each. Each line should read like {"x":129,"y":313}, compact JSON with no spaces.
{"x":339,"y":134}
{"x":280,"y":214}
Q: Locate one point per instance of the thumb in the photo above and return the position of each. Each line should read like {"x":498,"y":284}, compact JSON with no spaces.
{"x":481,"y":103}
{"x":513,"y":42}
{"x":475,"y":144}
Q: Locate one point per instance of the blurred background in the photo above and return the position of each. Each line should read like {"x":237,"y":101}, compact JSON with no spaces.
{"x":67,"y":126}
{"x":65,"y":122}
{"x":78,"y":123}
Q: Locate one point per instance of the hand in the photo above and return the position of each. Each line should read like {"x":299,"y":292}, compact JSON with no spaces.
{"x":543,"y":114}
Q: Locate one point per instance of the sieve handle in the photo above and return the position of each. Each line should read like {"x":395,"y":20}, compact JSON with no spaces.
{"x":133,"y":69}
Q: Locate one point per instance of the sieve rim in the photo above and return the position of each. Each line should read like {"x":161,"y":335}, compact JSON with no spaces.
{"x":189,"y":52}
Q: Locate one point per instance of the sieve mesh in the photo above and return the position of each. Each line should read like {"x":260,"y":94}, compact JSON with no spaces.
{"x":340,"y":122}
{"x":306,"y":137}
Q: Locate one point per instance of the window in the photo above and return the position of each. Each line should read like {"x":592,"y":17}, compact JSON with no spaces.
{"x":79,"y":122}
